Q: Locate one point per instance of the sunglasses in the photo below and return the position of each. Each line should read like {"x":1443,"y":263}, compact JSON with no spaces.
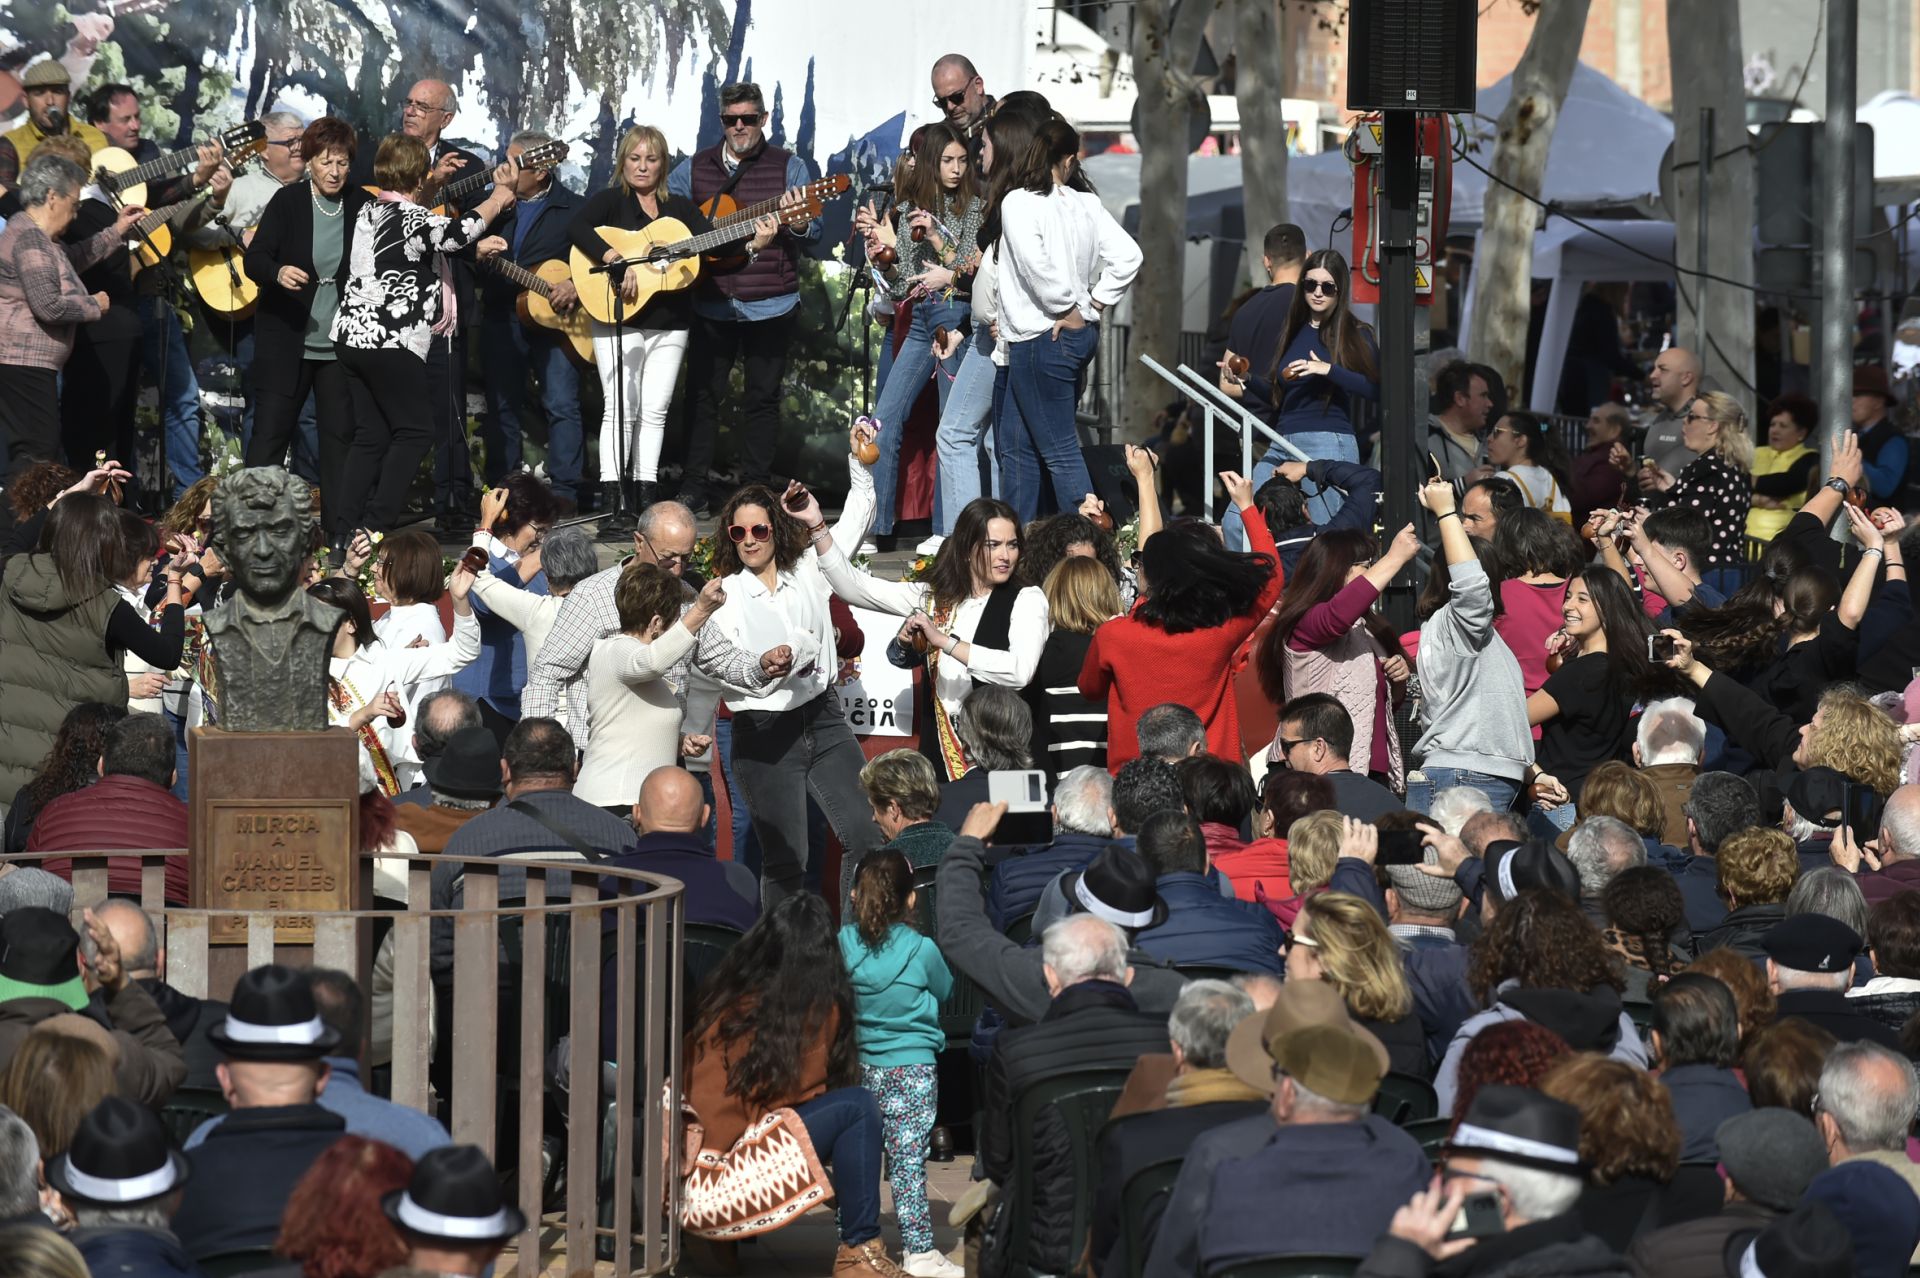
{"x":759,"y":532}
{"x":950,"y":99}
{"x":1286,"y":746}
{"x":1294,"y":938}
{"x":1320,"y":287}
{"x":742,"y":121}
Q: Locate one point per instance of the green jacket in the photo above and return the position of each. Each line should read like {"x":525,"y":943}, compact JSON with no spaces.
{"x":53,"y":656}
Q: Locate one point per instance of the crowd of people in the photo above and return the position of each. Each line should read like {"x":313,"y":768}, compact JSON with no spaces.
{"x":1569,"y":931}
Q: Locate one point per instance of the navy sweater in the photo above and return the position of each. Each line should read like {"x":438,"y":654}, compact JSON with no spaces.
{"x":1318,"y":403}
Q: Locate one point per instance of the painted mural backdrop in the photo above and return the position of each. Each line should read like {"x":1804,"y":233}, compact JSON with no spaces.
{"x":845,"y":81}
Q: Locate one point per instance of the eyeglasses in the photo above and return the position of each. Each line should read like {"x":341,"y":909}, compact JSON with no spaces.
{"x":426,"y":108}
{"x":746,"y":121}
{"x":1294,"y":938}
{"x":292,"y":144}
{"x":950,"y":99}
{"x":759,"y":532}
{"x":669,"y":558}
{"x":1320,"y":287}
{"x":1696,"y":417}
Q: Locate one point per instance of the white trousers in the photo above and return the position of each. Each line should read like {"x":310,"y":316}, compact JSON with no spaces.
{"x":649,"y":361}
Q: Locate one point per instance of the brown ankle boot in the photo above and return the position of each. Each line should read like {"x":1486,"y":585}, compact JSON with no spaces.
{"x":868,"y":1260}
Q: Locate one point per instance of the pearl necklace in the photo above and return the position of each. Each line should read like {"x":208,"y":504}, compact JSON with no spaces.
{"x":319,"y":203}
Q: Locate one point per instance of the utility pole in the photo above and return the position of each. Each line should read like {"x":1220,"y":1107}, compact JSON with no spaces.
{"x":1833,"y":347}
{"x":1400,"y":192}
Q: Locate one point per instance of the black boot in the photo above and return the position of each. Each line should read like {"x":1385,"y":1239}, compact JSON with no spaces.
{"x":645,"y":493}
{"x":616,"y":516}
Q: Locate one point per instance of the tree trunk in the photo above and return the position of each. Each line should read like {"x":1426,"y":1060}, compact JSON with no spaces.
{"x":1165,"y":45}
{"x":1259,"y":60}
{"x":1703,"y":53}
{"x":1503,"y":262}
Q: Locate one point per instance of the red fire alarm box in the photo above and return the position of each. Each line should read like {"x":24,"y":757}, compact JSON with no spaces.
{"x":1435,"y":161}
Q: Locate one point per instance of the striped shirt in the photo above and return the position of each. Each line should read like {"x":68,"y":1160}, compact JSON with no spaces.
{"x":1069,"y":730}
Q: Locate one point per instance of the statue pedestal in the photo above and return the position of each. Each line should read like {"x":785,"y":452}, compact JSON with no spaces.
{"x":274,"y":826}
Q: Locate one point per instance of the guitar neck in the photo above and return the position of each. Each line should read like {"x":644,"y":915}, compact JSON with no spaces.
{"x":152,"y":222}
{"x":750,"y":214}
{"x":464,"y":186}
{"x":521,"y":276}
{"x":718,"y":236}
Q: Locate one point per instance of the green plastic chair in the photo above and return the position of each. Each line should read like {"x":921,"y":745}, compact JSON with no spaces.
{"x":964,"y":1002}
{"x":189,"y":1107}
{"x":1137,"y":1197}
{"x":1404,"y":1099}
{"x":1083,"y":1101}
{"x":1430,"y":1132}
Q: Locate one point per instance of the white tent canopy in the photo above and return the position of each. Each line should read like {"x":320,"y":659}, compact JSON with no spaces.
{"x":1895,"y":118}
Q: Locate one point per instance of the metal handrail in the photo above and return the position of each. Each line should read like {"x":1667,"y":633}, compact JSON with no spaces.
{"x":1213,"y":401}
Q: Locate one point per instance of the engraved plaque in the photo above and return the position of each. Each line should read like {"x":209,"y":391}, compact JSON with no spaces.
{"x":277,"y":855}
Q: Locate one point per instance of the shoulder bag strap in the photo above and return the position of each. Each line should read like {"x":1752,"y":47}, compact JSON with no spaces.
{"x":559,"y":831}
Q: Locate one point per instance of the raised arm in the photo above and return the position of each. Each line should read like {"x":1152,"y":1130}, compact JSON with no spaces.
{"x":1470,"y":608}
{"x":1144,"y":466}
{"x":586,"y":615}
{"x":1859,"y":591}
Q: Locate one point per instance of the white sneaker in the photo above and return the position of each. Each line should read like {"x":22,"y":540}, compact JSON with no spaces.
{"x":931,"y":546}
{"x":930,"y":1264}
{"x":868,"y":549}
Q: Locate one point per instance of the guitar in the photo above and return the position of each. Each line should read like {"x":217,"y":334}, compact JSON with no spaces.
{"x":535,"y":304}
{"x":723,"y":212}
{"x":152,"y":239}
{"x":124,"y":179}
{"x":672,"y":252}
{"x":220,"y":275}
{"x":545,"y":156}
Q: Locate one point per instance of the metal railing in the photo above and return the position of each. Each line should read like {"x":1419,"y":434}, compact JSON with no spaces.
{"x":1216,"y":405}
{"x":621,"y":1197}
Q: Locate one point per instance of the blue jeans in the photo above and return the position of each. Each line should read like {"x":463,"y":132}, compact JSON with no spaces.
{"x":746,"y":848}
{"x":306,"y":439}
{"x":164,"y":348}
{"x":507,"y":351}
{"x":964,"y":420}
{"x":900,"y":390}
{"x":1500,"y":790}
{"x":1036,"y":427}
{"x":1322,"y":503}
{"x":179,"y":727}
{"x":1550,"y":823}
{"x":844,"y":1126}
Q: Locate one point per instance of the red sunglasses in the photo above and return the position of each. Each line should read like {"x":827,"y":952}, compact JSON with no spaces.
{"x":759,"y":532}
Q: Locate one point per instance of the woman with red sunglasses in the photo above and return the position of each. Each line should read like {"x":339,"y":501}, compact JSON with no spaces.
{"x":791,"y":739}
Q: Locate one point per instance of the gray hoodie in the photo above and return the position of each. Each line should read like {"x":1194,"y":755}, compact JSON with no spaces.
{"x":1472,"y":694}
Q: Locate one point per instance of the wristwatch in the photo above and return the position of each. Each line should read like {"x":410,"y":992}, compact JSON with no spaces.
{"x":1838,"y":485}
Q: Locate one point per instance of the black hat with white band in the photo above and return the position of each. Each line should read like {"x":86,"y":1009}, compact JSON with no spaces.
{"x":273,"y":1018}
{"x":1118,"y":887}
{"x":1520,"y":1126}
{"x":120,"y":1155}
{"x":454,"y":1196}
{"x":1514,"y":867}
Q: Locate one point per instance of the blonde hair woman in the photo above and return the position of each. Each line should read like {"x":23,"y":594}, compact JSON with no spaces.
{"x":1340,"y":939}
{"x":1070,"y":730}
{"x":1718,"y":483}
{"x":639,"y":360}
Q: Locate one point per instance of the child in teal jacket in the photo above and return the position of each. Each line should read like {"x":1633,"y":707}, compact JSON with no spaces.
{"x":899,"y":980}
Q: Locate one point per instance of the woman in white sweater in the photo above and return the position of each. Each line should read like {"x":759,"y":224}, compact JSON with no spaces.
{"x":969,"y":595}
{"x":1062,"y":261}
{"x":365,"y":675}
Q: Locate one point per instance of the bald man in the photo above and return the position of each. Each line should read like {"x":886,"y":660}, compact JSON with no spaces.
{"x":670,"y":818}
{"x":188,"y":1018}
{"x":1674,"y":381}
{"x":960,"y":93}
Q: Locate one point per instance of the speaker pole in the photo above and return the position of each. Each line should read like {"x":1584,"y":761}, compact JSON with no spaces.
{"x":1398,"y":425}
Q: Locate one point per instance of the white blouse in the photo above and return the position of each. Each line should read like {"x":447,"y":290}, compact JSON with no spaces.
{"x":634,"y":713}
{"x":398,"y":627}
{"x":372,"y":669}
{"x":1011,"y":667}
{"x":1058,"y":252}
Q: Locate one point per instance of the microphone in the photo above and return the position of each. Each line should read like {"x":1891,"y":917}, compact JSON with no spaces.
{"x":57,"y":120}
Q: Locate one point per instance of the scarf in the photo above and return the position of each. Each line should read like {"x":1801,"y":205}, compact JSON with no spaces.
{"x":449,"y":305}
{"x":1208,"y":1086}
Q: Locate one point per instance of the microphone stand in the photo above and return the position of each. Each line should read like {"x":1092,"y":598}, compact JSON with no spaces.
{"x":616,"y":273}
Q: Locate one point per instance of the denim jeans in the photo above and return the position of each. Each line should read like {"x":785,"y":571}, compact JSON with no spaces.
{"x":844,"y":1126}
{"x":965,"y":420}
{"x":306,"y":437}
{"x":507,"y":352}
{"x":164,"y":348}
{"x":179,"y":727}
{"x":779,"y":758}
{"x":912,"y":364}
{"x":1322,"y":503}
{"x":1499,"y":790}
{"x":746,"y":848}
{"x":1036,"y":428}
{"x":1550,"y":823}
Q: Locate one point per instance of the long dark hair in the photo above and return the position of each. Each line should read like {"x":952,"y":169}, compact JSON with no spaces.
{"x":1542,"y":940}
{"x":92,"y":545}
{"x":1025,"y":148}
{"x":766,"y":1000}
{"x":881,"y":886}
{"x":1342,"y":334}
{"x":1318,"y":577}
{"x":789,"y":534}
{"x":1045,"y":541}
{"x":1746,"y":631}
{"x":1439,"y":588}
{"x":1194,"y":582}
{"x":1626,"y":625}
{"x":951,"y":578}
{"x":1543,"y":446}
{"x":921,"y":187}
{"x":73,"y":762}
{"x":348,"y":597}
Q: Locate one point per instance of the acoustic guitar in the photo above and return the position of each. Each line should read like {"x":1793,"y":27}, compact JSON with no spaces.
{"x":151,"y":238}
{"x":219,"y":274}
{"x":667,"y":254}
{"x":535,"y":304}
{"x":124,"y":179}
{"x":545,"y":156}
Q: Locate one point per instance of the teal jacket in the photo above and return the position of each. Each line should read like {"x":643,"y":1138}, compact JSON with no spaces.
{"x":897,"y":991}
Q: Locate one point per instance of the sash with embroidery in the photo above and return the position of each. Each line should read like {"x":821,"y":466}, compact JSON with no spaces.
{"x":953,"y":755}
{"x":383,"y":775}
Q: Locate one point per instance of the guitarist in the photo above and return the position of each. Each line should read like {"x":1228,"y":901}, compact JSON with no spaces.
{"x":748,"y":314}
{"x":114,"y":109}
{"x":536,"y":231}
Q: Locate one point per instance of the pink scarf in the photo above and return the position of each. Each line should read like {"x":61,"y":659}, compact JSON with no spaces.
{"x":449,"y":305}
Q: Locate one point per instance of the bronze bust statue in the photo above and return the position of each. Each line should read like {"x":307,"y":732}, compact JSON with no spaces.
{"x":271,"y":640}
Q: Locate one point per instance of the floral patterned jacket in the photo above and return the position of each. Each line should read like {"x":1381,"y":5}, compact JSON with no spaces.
{"x":392,"y":297}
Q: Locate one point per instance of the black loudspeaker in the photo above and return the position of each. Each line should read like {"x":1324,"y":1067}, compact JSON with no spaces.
{"x":1411,"y":55}
{"x":1112,"y":481}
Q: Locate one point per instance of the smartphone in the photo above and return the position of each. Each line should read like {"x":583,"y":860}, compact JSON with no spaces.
{"x":1660,"y":649}
{"x":1479,"y":1217}
{"x":1028,"y":822}
{"x":1860,"y":810}
{"x":1402,"y":847}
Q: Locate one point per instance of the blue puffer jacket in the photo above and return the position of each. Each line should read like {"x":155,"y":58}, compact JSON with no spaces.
{"x":1206,"y":929}
{"x":1018,"y":881}
{"x":1442,"y":999}
{"x":134,"y":1249}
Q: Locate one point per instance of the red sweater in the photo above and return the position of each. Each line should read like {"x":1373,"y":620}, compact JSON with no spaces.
{"x":116,"y":812}
{"x":1136,"y":666}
